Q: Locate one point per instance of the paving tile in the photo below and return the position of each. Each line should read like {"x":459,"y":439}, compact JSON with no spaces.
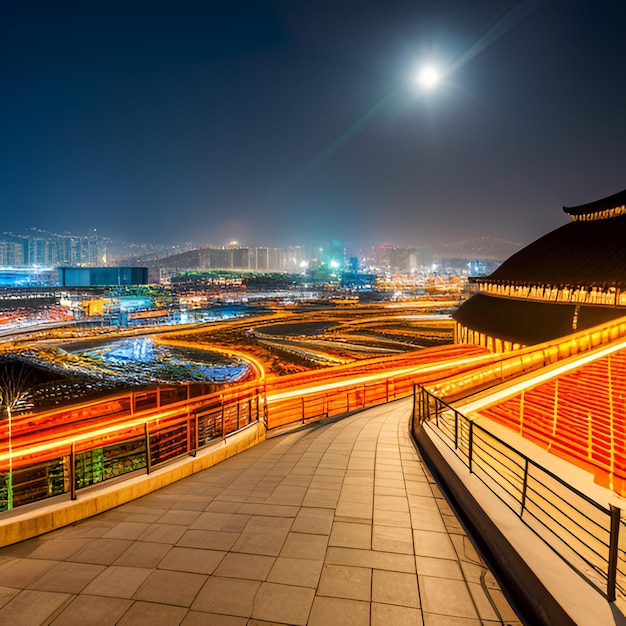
{"x":369,"y":558}
{"x":195,"y":560}
{"x":163,"y":533}
{"x":339,"y":612}
{"x":57,"y":548}
{"x":428,"y":543}
{"x":395,"y":588}
{"x":85,"y":609}
{"x":283,"y":604}
{"x":351,"y":535}
{"x":32,"y":607}
{"x":427,"y":520}
{"x":392,"y":539}
{"x":192,"y":503}
{"x":275,"y":510}
{"x":432,"y":619}
{"x":438,"y":568}
{"x":323,"y":498}
{"x":127,"y":530}
{"x":102,"y":551}
{"x":390,"y":491}
{"x":20,"y":573}
{"x":269,"y":544}
{"x":170,"y":587}
{"x":253,"y":566}
{"x":117,"y":582}
{"x":482,"y":602}
{"x":361,"y":494}
{"x":210,"y":520}
{"x":221,"y":506}
{"x":236,"y":523}
{"x":228,"y":596}
{"x":304,"y":546}
{"x":446,"y":597}
{"x":152,"y":614}
{"x":179,"y":517}
{"x":208,"y":539}
{"x":67,"y":577}
{"x":270,"y":525}
{"x":300,"y":572}
{"x":352,"y":478}
{"x":200,"y":618}
{"x":287,"y":494}
{"x":344,"y":581}
{"x":353,"y":510}
{"x":388,"y":614}
{"x":6,"y":594}
{"x":391,"y":503}
{"x":392,"y":518}
{"x":143,"y":554}
{"x":314,"y":521}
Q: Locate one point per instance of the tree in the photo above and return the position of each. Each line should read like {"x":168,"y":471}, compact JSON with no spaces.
{"x":14,"y":390}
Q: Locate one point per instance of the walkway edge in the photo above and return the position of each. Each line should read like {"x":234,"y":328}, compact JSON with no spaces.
{"x":548,"y":591}
{"x":34,"y":521}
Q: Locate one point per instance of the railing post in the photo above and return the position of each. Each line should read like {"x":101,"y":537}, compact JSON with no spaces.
{"x":470,"y":452}
{"x":613,"y":553}
{"x":524,"y":486}
{"x":73,"y":471}
{"x":148,"y":453}
{"x":302,"y":409}
{"x":223,"y":418}
{"x":456,"y":430}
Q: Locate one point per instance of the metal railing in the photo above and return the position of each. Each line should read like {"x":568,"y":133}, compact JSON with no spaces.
{"x":585,"y":534}
{"x":166,"y":425}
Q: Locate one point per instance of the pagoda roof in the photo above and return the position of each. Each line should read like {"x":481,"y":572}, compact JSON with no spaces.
{"x":528,"y":322}
{"x":580,"y":253}
{"x":605,"y":204}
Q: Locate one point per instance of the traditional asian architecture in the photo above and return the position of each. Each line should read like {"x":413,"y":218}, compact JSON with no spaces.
{"x":571,"y":279}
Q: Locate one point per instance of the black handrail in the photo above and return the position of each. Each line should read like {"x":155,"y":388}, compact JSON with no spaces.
{"x":478,"y":454}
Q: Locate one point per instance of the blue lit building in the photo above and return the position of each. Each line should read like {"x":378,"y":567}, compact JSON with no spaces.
{"x":102,"y":276}
{"x":11,"y":276}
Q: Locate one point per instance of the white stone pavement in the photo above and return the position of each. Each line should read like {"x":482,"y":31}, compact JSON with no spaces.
{"x":336,"y":523}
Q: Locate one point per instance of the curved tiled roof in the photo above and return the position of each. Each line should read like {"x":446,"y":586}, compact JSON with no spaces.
{"x":527,"y":322}
{"x":605,"y":204}
{"x":578,"y":253}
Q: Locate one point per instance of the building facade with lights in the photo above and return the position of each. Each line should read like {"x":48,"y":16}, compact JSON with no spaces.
{"x":571,"y":279}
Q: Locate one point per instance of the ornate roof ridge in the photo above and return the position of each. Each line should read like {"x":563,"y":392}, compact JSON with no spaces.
{"x":605,"y":208}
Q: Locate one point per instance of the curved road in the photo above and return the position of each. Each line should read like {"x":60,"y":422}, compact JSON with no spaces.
{"x":336,"y":523}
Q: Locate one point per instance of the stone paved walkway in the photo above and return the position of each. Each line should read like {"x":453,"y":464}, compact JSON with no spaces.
{"x":334,"y":524}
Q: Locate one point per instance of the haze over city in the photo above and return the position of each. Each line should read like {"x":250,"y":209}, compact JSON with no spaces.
{"x":275,"y":123}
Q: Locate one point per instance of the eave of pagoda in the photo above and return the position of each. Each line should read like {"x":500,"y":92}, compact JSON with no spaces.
{"x":600,"y":215}
{"x":606,"y":294}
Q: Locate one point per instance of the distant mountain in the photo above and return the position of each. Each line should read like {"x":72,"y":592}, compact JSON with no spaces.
{"x":478,"y":248}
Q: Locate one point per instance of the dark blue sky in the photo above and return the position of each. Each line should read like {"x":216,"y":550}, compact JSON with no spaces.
{"x":286,"y":122}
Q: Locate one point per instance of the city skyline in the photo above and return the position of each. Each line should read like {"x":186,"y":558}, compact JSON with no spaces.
{"x":275,"y":122}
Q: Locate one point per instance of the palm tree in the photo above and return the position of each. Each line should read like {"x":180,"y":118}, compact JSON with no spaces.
{"x":13,"y":390}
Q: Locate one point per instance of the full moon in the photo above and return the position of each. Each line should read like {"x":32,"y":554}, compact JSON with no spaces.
{"x":428,"y":77}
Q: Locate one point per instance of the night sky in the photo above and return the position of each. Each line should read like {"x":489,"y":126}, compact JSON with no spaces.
{"x":296,"y":122}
